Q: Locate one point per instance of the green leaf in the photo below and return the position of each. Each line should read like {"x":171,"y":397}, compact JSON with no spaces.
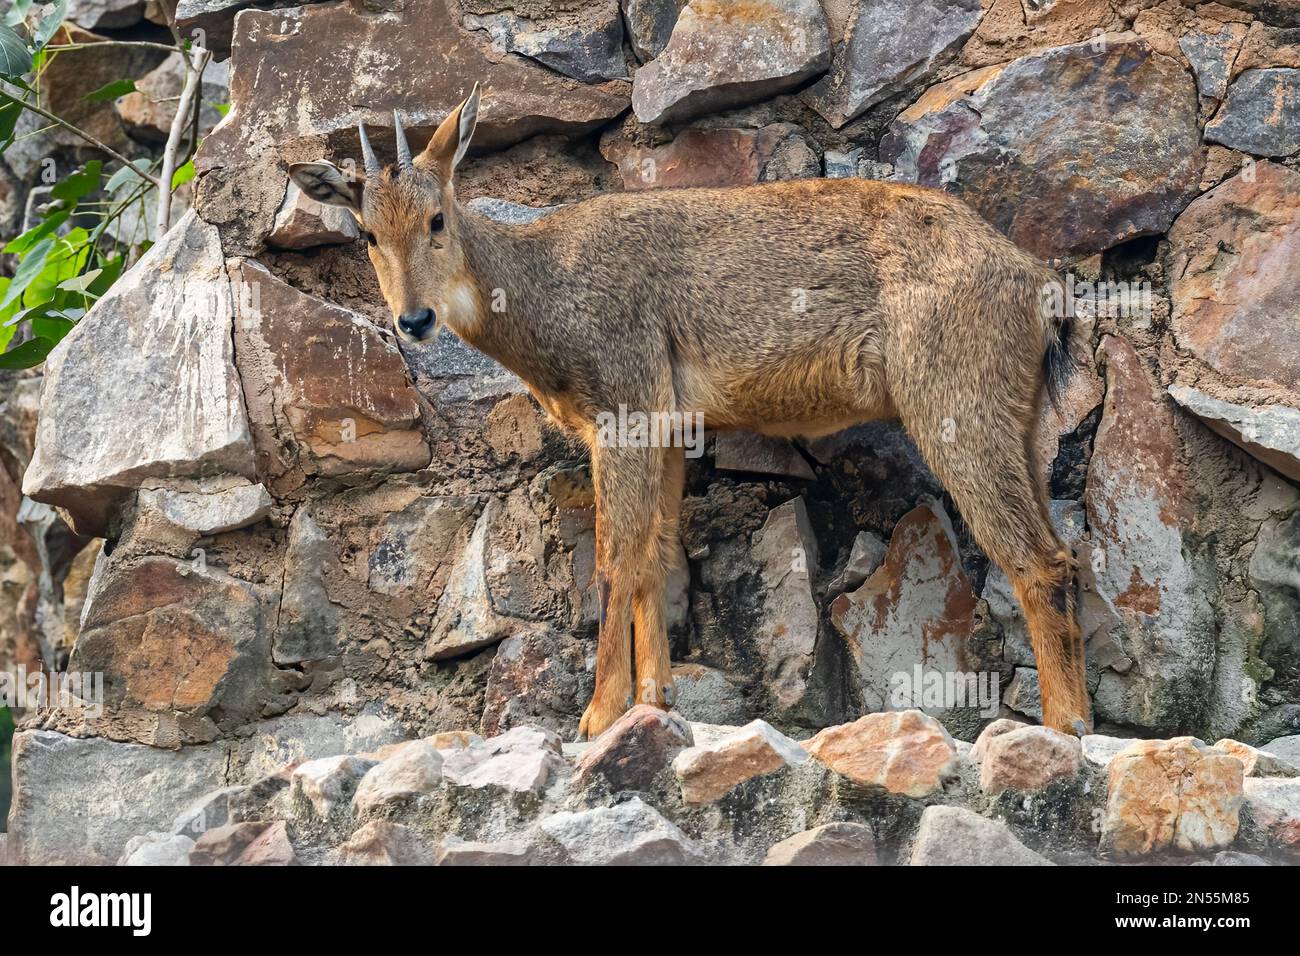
{"x":221,"y":108}
{"x":52,"y":327}
{"x":111,"y":91}
{"x":10,"y":110}
{"x":15,"y":58}
{"x":183,"y":174}
{"x":49,"y":24}
{"x":109,"y":271}
{"x":28,"y":355}
{"x":53,"y":221}
{"x":79,"y":184}
{"x":127,"y":175}
{"x":29,"y":268}
{"x":82,"y":282}
{"x":17,"y":12}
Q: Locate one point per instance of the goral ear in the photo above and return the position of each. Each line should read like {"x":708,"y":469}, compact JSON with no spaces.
{"x":452,"y":138}
{"x":325,"y":182}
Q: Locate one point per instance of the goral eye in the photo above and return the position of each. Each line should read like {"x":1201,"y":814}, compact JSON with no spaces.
{"x":369,"y":237}
{"x":435,"y":224}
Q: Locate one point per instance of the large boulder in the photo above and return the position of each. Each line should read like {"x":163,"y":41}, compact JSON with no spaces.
{"x":1007,"y":140}
{"x":915,"y":610}
{"x":327,"y":394}
{"x":882,"y":48}
{"x":1167,"y":795}
{"x":275,"y":116}
{"x":1239,"y":314}
{"x":1142,"y":561}
{"x":163,"y":336}
{"x":722,"y":56}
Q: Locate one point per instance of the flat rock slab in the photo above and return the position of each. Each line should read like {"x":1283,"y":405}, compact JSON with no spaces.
{"x":79,"y":801}
{"x":162,"y":336}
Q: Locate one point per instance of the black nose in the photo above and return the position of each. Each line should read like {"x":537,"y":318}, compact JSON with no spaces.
{"x":416,"y":324}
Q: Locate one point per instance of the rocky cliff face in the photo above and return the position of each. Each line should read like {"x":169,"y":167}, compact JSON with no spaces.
{"x":302,"y":555}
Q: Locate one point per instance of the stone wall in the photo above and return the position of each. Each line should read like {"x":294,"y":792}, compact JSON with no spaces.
{"x":317,"y":542}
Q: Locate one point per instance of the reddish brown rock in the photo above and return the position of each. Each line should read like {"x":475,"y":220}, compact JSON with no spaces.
{"x":835,"y":844}
{"x":270,"y":848}
{"x":1006,"y":139}
{"x":222,"y":846}
{"x":276,"y":117}
{"x":1240,"y":313}
{"x":1011,"y":28}
{"x":712,"y":770}
{"x":383,"y":843}
{"x":1256,"y":762}
{"x":917,"y":608}
{"x":700,"y":157}
{"x":327,"y":395}
{"x":633,"y":750}
{"x":1139,"y":504}
{"x":1003,"y":725}
{"x":144,"y":618}
{"x":1028,"y":759}
{"x":1171,"y":795}
{"x":904,"y":752}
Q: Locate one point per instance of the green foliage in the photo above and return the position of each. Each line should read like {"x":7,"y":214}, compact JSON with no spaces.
{"x":73,"y":255}
{"x":6,"y":749}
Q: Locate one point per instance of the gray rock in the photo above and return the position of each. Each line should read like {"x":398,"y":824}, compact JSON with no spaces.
{"x":302,"y":222}
{"x":885,"y":48}
{"x":715,"y":62}
{"x":308,"y":627}
{"x":157,"y":849}
{"x":650,"y":25}
{"x":297,"y":738}
{"x":1023,"y":695}
{"x":1285,"y":748}
{"x":1210,"y":56}
{"x":834,"y":844}
{"x":79,"y":801}
{"x":629,"y":834}
{"x":1261,"y":113}
{"x":413,"y":771}
{"x":209,"y":512}
{"x":708,"y":695}
{"x":1098,"y":749}
{"x":208,"y":812}
{"x":785,"y":550}
{"x":865,"y":555}
{"x":162,"y":336}
{"x":329,"y":781}
{"x":510,"y":213}
{"x":586,"y":44}
{"x":955,"y":836}
{"x":522,"y":760}
{"x":746,"y":451}
{"x":1270,"y":433}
